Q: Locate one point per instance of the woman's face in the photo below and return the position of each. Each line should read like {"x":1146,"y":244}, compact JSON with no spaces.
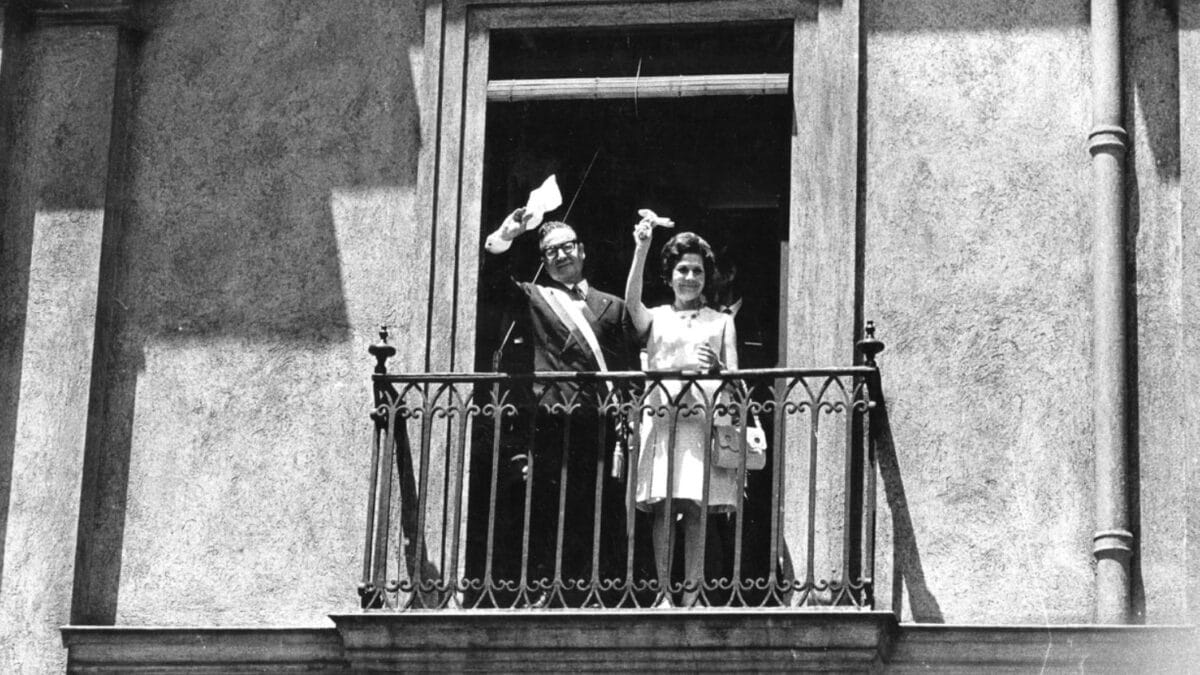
{"x":687,"y":277}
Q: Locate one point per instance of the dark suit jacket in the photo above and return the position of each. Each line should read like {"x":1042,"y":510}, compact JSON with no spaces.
{"x":553,"y":346}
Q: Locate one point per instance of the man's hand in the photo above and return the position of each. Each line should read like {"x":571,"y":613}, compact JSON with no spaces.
{"x":514,"y":225}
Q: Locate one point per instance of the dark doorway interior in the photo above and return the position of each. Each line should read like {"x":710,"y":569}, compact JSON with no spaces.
{"x":718,"y":166}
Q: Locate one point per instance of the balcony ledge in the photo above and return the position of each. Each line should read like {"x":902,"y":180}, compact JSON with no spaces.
{"x":637,"y":640}
{"x":586,"y":641}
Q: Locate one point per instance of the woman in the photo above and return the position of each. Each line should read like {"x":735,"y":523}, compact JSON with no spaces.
{"x":687,"y":335}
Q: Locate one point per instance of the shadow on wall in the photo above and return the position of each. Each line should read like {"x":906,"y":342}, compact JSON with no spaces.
{"x":906,"y":558}
{"x":236,"y":123}
{"x":16,"y":240}
{"x":14,"y":286}
{"x":1152,"y":104}
{"x":930,"y":16}
{"x":1151,"y":45}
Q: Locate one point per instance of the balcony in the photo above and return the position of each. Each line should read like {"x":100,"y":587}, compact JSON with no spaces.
{"x":535,"y":491}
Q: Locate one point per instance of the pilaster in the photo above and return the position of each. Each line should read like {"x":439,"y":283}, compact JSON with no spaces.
{"x":57,"y":85}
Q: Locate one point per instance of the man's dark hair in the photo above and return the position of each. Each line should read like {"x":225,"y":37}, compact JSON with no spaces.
{"x":550,"y":226}
{"x":682,"y":244}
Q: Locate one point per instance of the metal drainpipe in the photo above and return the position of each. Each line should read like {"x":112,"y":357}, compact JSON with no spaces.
{"x":1113,"y":541}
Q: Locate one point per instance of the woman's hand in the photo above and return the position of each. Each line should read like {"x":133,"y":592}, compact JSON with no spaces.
{"x":708,"y":359}
{"x":642,"y":232}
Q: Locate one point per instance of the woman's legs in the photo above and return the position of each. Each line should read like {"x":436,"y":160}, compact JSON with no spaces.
{"x":693,"y":552}
{"x":660,"y":531}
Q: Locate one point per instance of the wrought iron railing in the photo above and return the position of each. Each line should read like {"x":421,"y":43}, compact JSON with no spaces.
{"x":496,"y":490}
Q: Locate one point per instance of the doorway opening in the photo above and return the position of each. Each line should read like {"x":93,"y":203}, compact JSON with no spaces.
{"x":718,"y":165}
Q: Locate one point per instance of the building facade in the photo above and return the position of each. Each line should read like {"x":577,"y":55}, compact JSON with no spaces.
{"x":207,"y":209}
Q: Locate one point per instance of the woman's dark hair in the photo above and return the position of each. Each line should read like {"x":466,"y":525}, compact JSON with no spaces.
{"x":682,"y":244}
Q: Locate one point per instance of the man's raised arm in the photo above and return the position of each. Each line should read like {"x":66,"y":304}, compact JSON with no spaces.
{"x":498,"y":285}
{"x":512,"y":227}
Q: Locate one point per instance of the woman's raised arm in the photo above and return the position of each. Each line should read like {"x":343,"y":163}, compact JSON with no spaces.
{"x":633,"y":286}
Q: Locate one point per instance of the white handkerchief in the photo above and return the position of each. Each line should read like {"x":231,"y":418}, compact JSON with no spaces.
{"x":543,"y":199}
{"x":655,"y":219}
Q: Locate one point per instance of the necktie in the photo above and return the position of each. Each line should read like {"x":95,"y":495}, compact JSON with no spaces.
{"x":575,"y":293}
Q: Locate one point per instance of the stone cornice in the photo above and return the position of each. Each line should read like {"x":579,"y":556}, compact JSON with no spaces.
{"x":78,"y":12}
{"x":148,"y":649}
{"x":931,"y":648}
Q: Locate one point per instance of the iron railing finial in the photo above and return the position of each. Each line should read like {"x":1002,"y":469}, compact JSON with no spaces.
{"x":382,"y":351}
{"x":869,"y":345}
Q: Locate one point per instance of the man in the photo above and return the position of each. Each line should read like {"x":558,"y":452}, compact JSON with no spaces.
{"x":571,"y":327}
{"x":556,"y":347}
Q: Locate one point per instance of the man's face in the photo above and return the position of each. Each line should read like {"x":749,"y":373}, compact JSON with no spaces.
{"x":563,"y":255}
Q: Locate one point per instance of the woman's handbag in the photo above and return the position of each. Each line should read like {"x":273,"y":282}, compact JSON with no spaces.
{"x":727,"y":445}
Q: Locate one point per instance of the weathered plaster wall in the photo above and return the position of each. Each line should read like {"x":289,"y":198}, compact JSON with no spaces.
{"x":267,"y":232}
{"x":977,"y":247}
{"x":978,"y":267}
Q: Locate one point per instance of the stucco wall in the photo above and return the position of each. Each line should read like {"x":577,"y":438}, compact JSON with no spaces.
{"x":978,"y":268}
{"x":267,"y":232}
{"x":977,"y":271}
{"x":1189,"y":368}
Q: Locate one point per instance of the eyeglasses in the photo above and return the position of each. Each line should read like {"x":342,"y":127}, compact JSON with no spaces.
{"x":565,"y":248}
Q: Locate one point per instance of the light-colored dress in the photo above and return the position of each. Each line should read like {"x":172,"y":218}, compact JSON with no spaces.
{"x":671,"y":345}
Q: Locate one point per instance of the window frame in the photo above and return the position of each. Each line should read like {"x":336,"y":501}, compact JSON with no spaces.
{"x":818,"y":261}
{"x":821,"y":285}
